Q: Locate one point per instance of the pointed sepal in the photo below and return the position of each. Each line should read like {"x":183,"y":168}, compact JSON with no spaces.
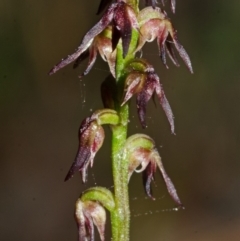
{"x":154,"y":24}
{"x":91,"y":137}
{"x":141,"y":152}
{"x":144,"y":82}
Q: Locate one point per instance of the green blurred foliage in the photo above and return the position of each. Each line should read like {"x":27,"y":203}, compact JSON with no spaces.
{"x":40,"y":117}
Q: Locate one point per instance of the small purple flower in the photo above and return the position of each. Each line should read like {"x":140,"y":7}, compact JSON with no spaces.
{"x":121,"y":17}
{"x":91,"y":136}
{"x":154,"y":24}
{"x":141,"y":151}
{"x":144,"y":83}
{"x":101,"y":44}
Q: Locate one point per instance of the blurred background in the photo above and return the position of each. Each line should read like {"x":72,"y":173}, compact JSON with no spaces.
{"x":40,"y":117}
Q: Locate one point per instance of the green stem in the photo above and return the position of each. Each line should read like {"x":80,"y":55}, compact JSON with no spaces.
{"x":134,"y":4}
{"x":120,"y":217}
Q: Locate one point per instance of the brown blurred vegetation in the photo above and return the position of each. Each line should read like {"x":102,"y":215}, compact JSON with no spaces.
{"x":40,"y":116}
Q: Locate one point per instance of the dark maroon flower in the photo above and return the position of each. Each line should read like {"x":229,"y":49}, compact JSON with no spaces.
{"x":142,"y":152}
{"x":102,"y":44}
{"x":91,"y":136}
{"x":154,"y":24}
{"x":144,"y":83}
{"x":150,"y":163}
{"x":122,"y":19}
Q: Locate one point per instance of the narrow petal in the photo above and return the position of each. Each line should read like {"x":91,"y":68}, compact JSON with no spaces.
{"x":183,"y":54}
{"x":99,"y":220}
{"x":87,"y":40}
{"x":116,"y":35}
{"x":81,"y":58}
{"x":161,"y":40}
{"x":165,"y":104}
{"x":141,"y":108}
{"x":173,"y":5}
{"x":92,"y":60}
{"x":84,"y":172}
{"x":104,"y":45}
{"x":80,"y":218}
{"x":170,"y":187}
{"x":89,"y":226}
{"x":148,"y":177}
{"x":82,"y":157}
{"x":89,"y":213}
{"x":171,"y":53}
{"x":91,"y":136}
{"x":143,"y":97}
{"x":125,"y":20}
{"x":123,"y":24}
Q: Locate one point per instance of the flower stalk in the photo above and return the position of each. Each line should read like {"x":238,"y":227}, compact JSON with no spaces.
{"x":121,"y":216}
{"x":121,"y":32}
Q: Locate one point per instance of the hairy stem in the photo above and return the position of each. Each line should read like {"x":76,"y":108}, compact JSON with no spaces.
{"x":121,"y":216}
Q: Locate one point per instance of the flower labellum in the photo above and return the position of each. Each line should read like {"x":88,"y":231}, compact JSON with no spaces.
{"x":87,"y":215}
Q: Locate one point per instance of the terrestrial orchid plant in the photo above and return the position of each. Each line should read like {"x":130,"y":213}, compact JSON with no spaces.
{"x":121,"y":32}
